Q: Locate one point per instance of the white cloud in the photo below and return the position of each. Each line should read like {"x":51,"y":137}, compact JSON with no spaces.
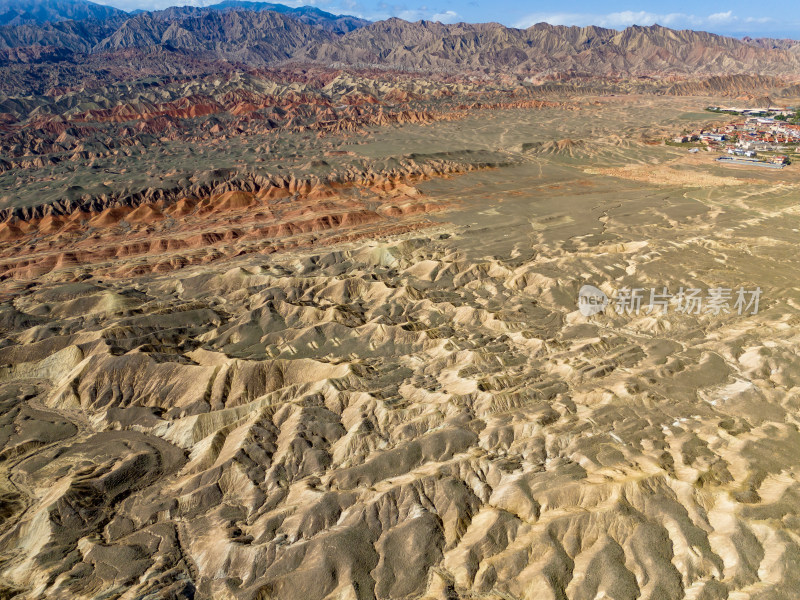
{"x":411,"y":15}
{"x":759,"y":20}
{"x":722,"y":17}
{"x":620,"y":20}
{"x":448,"y":16}
{"x":423,"y":13}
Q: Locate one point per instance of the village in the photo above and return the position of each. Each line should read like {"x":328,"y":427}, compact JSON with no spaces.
{"x":765,"y":137}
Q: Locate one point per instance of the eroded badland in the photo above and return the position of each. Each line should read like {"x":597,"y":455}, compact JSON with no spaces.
{"x":265,"y":338}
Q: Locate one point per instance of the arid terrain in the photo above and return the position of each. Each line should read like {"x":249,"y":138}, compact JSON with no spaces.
{"x":302,"y":331}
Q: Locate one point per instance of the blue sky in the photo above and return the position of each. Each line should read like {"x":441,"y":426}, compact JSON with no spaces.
{"x":779,"y":18}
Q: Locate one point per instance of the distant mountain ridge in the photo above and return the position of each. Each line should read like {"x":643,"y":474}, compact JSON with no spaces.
{"x":40,"y":12}
{"x":258,"y":34}
{"x":636,"y":50}
{"x":21,"y":12}
{"x":255,"y":38}
{"x":307,"y":14}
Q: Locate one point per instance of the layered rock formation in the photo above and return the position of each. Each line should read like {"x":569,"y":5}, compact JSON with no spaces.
{"x":307,"y":332}
{"x":265,"y":37}
{"x":405,"y":418}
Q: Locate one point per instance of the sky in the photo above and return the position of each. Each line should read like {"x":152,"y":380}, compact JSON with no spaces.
{"x":738,"y":18}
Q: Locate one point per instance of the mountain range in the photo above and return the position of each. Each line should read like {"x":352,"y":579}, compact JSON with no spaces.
{"x":256,"y":34}
{"x":19,"y":12}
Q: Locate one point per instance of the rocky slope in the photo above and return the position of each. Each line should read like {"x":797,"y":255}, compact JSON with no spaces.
{"x":285,"y":333}
{"x":306,"y":14}
{"x":547,"y":48}
{"x":75,"y":37}
{"x":265,"y":37}
{"x":18,"y":12}
{"x":387,"y":413}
